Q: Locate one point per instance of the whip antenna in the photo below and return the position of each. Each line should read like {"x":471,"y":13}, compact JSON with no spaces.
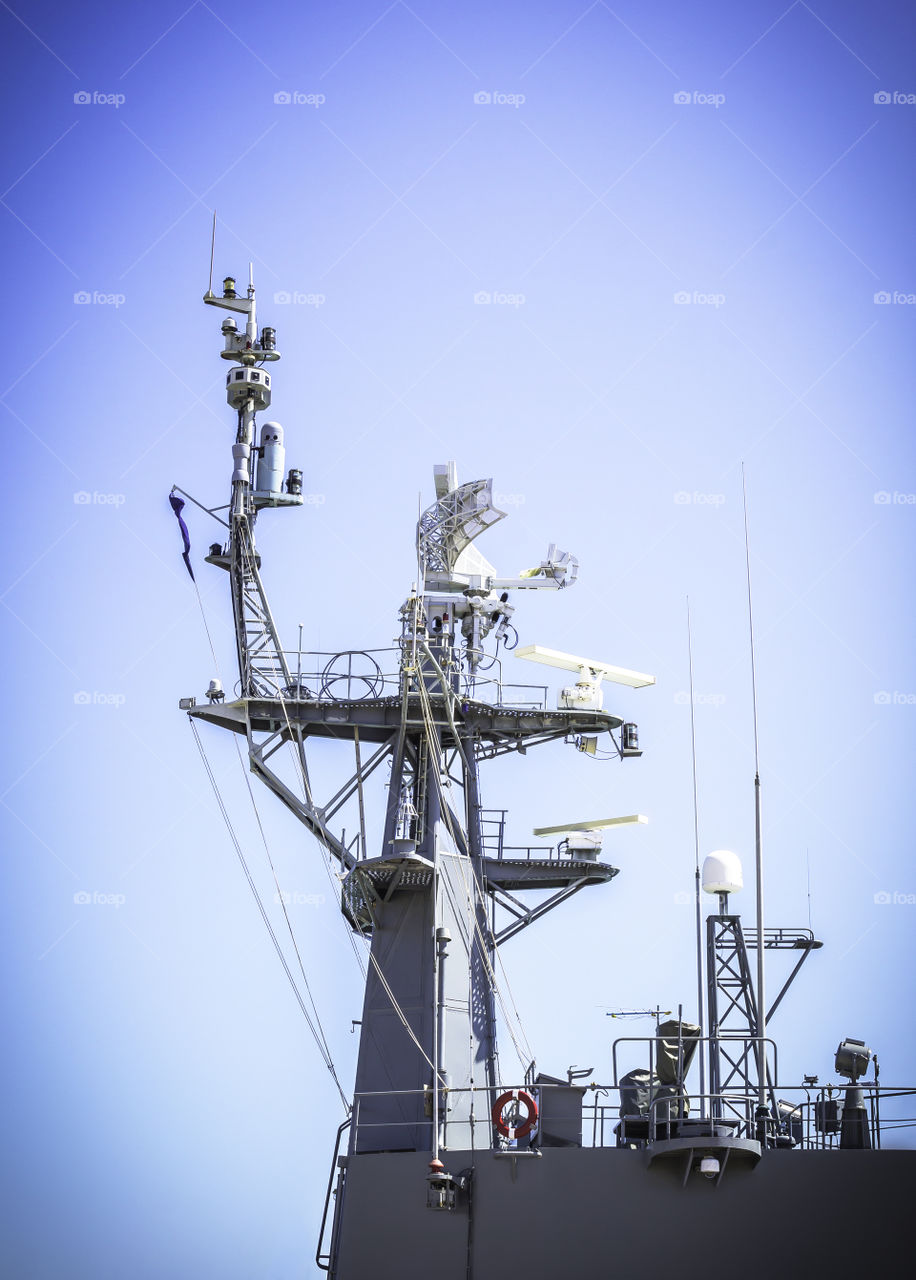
{"x":758,"y":853}
{"x":696,"y":843}
{"x":212,"y":251}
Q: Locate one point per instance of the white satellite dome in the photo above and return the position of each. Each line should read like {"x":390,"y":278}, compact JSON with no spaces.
{"x":722,"y":872}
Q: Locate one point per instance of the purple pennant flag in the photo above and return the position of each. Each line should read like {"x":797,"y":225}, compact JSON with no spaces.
{"x":178,"y":507}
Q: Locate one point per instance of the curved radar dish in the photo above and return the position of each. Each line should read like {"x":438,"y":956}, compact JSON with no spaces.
{"x":446,"y":530}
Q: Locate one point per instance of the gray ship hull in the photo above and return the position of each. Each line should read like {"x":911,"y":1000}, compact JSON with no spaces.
{"x":589,"y":1214}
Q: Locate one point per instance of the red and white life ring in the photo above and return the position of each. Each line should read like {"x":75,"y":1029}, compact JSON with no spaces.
{"x":531,"y":1117}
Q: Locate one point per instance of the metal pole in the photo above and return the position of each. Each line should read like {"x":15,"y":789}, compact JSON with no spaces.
{"x":435,"y":1045}
{"x":680,"y":1061}
{"x":212,"y":252}
{"x":359,"y":790}
{"x":696,"y":843}
{"x":443,"y":938}
{"x":758,"y":850}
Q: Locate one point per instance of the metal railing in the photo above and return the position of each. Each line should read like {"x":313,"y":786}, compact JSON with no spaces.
{"x":363,"y":675}
{"x":493,"y":834}
{"x":810,"y":1117}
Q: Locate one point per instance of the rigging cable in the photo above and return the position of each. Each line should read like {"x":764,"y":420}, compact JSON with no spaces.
{"x":333,"y":877}
{"x":433,"y":739}
{"x":282,"y":901}
{"x":324,"y":1046}
{"x":264,"y":916}
{"x":258,"y":818}
{"x":384,"y":981}
{"x":430,"y":725}
{"x":317,"y":1033}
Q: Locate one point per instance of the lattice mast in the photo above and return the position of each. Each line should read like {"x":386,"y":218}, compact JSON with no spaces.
{"x":257,"y":481}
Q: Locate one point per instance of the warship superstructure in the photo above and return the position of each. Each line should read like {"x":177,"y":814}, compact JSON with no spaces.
{"x":443,"y":1165}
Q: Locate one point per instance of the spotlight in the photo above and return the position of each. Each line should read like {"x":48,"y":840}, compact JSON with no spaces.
{"x":852,"y":1058}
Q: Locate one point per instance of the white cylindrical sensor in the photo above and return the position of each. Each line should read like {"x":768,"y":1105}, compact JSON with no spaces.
{"x":240,"y":454}
{"x":272,"y":460}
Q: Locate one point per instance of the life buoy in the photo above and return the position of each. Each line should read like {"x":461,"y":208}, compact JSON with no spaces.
{"x":531,"y":1117}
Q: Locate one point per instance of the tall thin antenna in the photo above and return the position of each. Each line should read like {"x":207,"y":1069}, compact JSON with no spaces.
{"x":212,"y":252}
{"x":808,"y":870}
{"x":758,"y":850}
{"x":696,"y":844}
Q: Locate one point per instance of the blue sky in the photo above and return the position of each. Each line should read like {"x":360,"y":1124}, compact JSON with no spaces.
{"x":694,"y":227}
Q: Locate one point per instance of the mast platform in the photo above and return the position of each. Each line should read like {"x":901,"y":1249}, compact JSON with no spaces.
{"x":499,"y":728}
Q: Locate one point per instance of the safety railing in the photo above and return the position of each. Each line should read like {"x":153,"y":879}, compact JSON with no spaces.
{"x":363,"y":675}
{"x":807,"y":1117}
{"x":493,"y":834}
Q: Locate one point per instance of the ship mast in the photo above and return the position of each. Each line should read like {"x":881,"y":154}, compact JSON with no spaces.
{"x":440,"y":893}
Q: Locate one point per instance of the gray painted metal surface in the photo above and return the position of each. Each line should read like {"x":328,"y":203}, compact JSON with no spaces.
{"x":599,"y":1213}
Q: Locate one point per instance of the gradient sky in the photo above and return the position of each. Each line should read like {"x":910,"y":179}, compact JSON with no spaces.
{"x":166,"y":1112}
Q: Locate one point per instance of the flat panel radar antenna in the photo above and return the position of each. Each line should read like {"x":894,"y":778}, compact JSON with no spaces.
{"x":586,"y":693}
{"x":585,"y":839}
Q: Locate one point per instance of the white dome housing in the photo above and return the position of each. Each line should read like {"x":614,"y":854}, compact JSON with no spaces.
{"x":722,"y":872}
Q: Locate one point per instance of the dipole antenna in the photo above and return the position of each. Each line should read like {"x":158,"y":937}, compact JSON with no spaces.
{"x":758,"y":850}
{"x":696,"y":845}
